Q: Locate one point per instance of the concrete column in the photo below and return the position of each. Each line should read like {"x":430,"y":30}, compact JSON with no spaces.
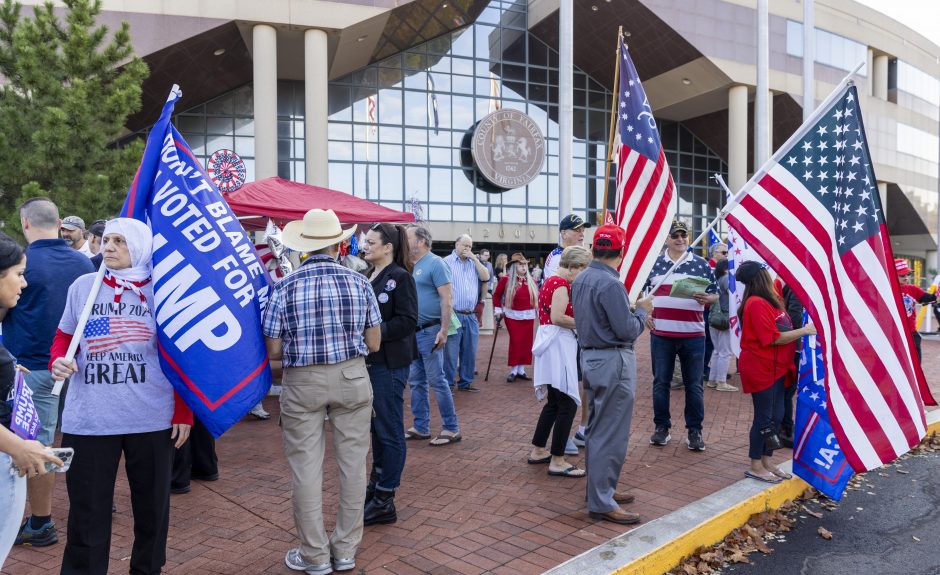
{"x":870,"y":67}
{"x":879,"y":87}
{"x":737,"y":137}
{"x":883,"y":194}
{"x":316,"y":84}
{"x":264,"y":46}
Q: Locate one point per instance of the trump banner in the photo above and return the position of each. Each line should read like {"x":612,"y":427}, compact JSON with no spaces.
{"x":210,"y":287}
{"x":817,"y":457}
{"x":24,"y":420}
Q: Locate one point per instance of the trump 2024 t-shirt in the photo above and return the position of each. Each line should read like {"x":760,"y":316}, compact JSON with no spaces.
{"x":119,"y":387}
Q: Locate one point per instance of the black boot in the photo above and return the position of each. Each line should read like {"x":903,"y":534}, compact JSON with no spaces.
{"x":370,"y":487}
{"x":381,"y":508}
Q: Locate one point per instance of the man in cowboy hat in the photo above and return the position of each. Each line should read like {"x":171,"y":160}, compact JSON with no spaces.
{"x":322,"y":321}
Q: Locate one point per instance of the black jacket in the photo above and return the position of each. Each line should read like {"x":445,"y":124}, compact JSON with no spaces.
{"x":794,"y":308}
{"x":399,"y":317}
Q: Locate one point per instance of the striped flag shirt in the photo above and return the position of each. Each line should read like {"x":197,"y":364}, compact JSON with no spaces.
{"x":814,"y":214}
{"x":645,"y":192}
{"x":676,"y":316}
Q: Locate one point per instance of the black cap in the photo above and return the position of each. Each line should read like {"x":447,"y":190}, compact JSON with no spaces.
{"x":97,"y":228}
{"x":678,"y":226}
{"x":572,"y":222}
{"x":748,"y":271}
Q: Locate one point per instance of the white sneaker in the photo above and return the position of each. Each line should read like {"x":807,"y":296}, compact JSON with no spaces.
{"x":711,"y":384}
{"x":348,"y":564}
{"x":722,"y":386}
{"x":259,"y":412}
{"x":294,"y":560}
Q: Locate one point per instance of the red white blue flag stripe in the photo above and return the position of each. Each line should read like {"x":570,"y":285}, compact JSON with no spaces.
{"x":645,"y":191}
{"x":814,"y":214}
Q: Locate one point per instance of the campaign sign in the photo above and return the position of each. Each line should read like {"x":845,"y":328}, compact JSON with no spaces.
{"x":817,"y":457}
{"x":210,"y":287}
{"x":24,"y":420}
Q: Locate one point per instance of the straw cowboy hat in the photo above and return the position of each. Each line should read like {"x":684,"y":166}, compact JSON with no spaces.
{"x":318,"y":229}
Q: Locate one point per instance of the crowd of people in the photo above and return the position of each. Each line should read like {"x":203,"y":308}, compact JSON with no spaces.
{"x":348,"y":344}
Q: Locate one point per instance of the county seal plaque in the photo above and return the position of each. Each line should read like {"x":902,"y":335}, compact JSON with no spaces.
{"x":508,"y":149}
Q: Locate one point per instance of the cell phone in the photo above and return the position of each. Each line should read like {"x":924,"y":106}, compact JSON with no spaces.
{"x":63,"y":453}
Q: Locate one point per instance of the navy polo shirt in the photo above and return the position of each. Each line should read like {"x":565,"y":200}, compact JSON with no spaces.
{"x":29,"y":328}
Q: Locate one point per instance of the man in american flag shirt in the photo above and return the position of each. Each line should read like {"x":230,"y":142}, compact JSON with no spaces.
{"x":677,"y":329}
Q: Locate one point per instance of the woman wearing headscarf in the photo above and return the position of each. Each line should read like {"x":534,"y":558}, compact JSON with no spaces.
{"x":768,"y":342}
{"x":27,"y":458}
{"x":386,"y":250}
{"x":514,"y":299}
{"x":119,"y":402}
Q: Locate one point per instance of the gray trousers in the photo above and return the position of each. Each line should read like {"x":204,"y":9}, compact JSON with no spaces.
{"x":610,"y":388}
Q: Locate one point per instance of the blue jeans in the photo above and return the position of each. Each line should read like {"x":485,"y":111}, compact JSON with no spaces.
{"x":462,"y":346}
{"x":428,"y":370}
{"x":12,"y":503}
{"x":691,"y":352}
{"x":388,"y":424}
{"x":768,"y":413}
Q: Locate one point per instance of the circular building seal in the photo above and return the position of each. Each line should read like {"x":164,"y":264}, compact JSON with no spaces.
{"x":226,"y":170}
{"x":508,"y":149}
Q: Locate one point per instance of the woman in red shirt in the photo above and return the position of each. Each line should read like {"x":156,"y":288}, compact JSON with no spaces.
{"x":556,"y":364}
{"x":768,"y":342}
{"x":514,"y":298}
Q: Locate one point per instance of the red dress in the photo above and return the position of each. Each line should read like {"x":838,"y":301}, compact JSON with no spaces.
{"x":520,"y":320}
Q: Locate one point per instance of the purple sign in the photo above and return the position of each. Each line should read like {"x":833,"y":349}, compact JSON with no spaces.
{"x":25,"y":419}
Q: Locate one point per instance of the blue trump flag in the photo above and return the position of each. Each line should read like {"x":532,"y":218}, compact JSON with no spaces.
{"x":817,"y":457}
{"x":210,"y":287}
{"x":713,"y":238}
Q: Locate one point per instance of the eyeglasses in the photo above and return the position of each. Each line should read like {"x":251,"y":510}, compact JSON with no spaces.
{"x":677,"y":235}
{"x":725,"y":252}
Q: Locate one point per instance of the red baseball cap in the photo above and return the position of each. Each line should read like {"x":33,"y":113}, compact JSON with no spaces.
{"x":901,"y":266}
{"x":609,"y":237}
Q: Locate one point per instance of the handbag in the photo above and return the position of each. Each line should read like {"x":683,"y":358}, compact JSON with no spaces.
{"x":718,"y":318}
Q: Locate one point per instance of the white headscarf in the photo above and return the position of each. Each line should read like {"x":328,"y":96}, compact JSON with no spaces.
{"x":139,"y":241}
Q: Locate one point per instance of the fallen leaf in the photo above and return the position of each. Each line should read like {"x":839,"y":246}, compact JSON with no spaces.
{"x":824,"y":533}
{"x":815,"y":514}
{"x":903,"y":472}
{"x":739,"y":557}
{"x":915,"y":538}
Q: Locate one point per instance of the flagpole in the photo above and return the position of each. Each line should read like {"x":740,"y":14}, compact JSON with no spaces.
{"x":613,"y":121}
{"x":80,"y":327}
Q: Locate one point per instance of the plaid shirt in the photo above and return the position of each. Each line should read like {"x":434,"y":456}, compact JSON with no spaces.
{"x":321,"y":312}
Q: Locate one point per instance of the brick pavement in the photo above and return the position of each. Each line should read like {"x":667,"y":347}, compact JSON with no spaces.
{"x":470,"y":508}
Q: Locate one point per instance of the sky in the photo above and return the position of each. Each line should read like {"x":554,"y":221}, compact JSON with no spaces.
{"x":920,"y":15}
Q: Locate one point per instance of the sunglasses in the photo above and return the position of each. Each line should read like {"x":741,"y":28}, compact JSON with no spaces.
{"x":725,"y":252}
{"x":677,"y":235}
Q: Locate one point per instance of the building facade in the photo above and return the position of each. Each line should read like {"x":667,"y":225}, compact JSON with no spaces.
{"x":375,"y":97}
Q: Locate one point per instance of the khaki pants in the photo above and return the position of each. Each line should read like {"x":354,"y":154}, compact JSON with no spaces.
{"x":342,"y":391}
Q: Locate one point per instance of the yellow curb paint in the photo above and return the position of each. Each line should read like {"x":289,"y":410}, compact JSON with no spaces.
{"x":664,"y":558}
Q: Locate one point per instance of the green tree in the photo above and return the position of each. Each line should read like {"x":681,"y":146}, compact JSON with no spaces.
{"x":69,"y":87}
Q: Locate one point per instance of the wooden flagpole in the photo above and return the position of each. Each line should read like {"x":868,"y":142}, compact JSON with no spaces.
{"x":613,"y":123}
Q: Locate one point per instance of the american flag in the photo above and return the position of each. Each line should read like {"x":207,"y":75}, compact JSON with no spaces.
{"x":814,"y":214}
{"x":645,"y":191}
{"x":108,"y":333}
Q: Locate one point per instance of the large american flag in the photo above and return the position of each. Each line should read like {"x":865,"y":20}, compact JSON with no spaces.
{"x":645,"y":191}
{"x":814,"y":214}
{"x":108,"y":333}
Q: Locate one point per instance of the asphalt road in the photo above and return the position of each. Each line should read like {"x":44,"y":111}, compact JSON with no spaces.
{"x":889,"y":525}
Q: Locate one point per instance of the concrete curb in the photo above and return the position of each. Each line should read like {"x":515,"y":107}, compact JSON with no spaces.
{"x":658,"y":546}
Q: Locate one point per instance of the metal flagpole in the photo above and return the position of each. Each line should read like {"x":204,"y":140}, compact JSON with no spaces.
{"x":761,"y":136}
{"x":736,"y":199}
{"x":613,"y":122}
{"x":809,"y":58}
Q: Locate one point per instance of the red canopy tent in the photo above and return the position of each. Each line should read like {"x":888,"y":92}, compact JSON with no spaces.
{"x":283,"y":200}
